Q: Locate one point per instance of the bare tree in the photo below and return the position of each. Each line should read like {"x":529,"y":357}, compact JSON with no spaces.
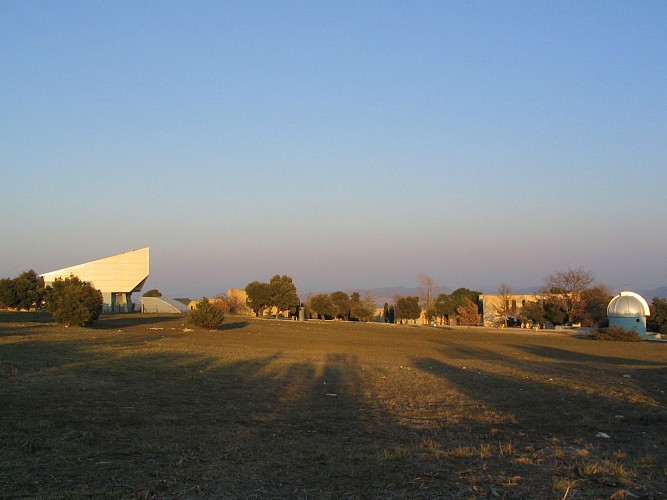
{"x":566,"y":288}
{"x":503,"y":303}
{"x":237,"y":303}
{"x":427,"y":287}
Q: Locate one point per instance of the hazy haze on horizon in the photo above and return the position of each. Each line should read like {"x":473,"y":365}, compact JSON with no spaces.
{"x":348,"y":145}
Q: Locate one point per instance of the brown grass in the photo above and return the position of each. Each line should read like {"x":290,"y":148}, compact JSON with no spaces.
{"x":148,"y":407}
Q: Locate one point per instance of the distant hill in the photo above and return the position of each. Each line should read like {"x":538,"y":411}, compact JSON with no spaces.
{"x":524,"y":291}
{"x":387,"y":294}
{"x":650,"y":294}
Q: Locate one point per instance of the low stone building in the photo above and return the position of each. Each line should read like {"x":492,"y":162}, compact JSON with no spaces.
{"x":493,"y":304}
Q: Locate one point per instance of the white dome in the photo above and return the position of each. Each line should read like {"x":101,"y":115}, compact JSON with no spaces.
{"x":628,"y":305}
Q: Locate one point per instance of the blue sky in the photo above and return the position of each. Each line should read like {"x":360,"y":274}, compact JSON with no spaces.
{"x":347,"y":144}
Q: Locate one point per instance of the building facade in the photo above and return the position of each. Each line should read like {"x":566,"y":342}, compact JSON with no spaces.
{"x":493,"y":306}
{"x":117,"y":277}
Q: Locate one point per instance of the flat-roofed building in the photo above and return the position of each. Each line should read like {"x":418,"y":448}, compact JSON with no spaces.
{"x":493,"y":306}
{"x":117,"y":277}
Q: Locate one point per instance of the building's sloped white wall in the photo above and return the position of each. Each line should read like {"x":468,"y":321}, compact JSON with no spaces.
{"x":125,"y":272}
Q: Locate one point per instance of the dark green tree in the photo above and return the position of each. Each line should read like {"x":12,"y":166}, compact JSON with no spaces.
{"x":207,"y":314}
{"x":73,"y":302}
{"x":153,"y":293}
{"x":553,"y":312}
{"x":259,"y":296}
{"x":283,"y":294}
{"x":533,"y":311}
{"x":26,"y":291}
{"x":657,"y":322}
{"x":392,"y":314}
{"x":362,"y":309}
{"x":321,"y":305}
{"x":341,"y":304}
{"x":407,"y":308}
{"x":29,"y":289}
{"x":8,"y":297}
{"x":461,"y":294}
{"x":446,"y":305}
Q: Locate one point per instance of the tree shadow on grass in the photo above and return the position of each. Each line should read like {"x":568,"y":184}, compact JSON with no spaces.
{"x":120,"y":423}
{"x":25,"y":323}
{"x":116,"y":321}
{"x":561,"y":354}
{"x":22,"y":329}
{"x":531,"y":404}
{"x":236,"y":325}
{"x":26,"y":317}
{"x":131,"y":417}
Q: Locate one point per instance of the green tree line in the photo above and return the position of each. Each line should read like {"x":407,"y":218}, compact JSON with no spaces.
{"x":570,"y":296}
{"x":340,"y":305}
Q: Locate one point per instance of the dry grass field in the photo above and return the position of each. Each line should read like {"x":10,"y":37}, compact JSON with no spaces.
{"x":144,"y":407}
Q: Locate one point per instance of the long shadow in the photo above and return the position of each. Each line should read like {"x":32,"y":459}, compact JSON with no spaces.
{"x":122,"y":423}
{"x":547,"y":408}
{"x":26,"y":317}
{"x":540,"y":416}
{"x":467,"y":351}
{"x":236,"y":325}
{"x":21,"y":330}
{"x":115,"y":321}
{"x":22,"y":323}
{"x":579,"y":357}
{"x":120,"y":420}
{"x":571,"y":367}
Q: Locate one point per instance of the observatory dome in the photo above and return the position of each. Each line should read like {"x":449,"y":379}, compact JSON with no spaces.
{"x":628,"y":305}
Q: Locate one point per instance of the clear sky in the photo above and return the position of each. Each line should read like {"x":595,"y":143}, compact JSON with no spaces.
{"x":348,"y":144}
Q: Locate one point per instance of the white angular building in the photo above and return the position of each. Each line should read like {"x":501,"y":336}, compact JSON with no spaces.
{"x":117,"y":277}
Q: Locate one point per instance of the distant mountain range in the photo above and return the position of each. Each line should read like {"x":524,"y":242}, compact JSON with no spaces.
{"x":650,"y":294}
{"x":387,"y":294}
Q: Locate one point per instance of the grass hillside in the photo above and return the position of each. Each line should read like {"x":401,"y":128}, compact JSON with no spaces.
{"x":146,"y":406}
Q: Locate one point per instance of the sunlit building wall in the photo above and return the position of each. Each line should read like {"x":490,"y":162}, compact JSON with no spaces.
{"x":117,"y":277}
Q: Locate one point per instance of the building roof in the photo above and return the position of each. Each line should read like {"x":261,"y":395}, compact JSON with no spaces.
{"x":162,"y":305}
{"x":628,"y":305}
{"x":125,"y":272}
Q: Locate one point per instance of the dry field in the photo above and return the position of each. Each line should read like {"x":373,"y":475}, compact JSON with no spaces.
{"x":144,"y":407}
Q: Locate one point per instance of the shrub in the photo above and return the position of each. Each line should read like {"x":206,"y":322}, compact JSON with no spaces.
{"x":74,"y":302}
{"x":616,"y":333}
{"x":206,"y":314}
